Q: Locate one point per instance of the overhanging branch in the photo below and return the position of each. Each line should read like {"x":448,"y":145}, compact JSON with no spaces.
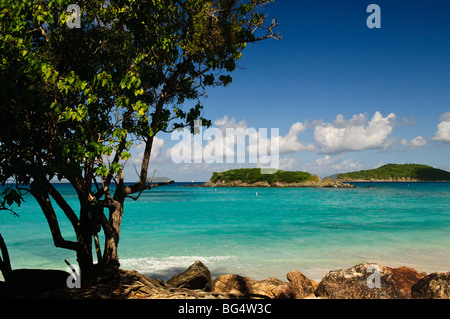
{"x":47,"y":208}
{"x":68,"y":211}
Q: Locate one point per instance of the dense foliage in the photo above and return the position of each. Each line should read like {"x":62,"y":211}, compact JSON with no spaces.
{"x":253,"y":175}
{"x":398,"y":172}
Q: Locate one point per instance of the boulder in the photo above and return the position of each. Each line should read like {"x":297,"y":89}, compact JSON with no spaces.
{"x":272,"y":288}
{"x":197,"y":276}
{"x":238,"y":285}
{"x":433,"y":286}
{"x":369,"y":281}
{"x":298,"y":286}
{"x":405,"y":278}
{"x":301,"y":286}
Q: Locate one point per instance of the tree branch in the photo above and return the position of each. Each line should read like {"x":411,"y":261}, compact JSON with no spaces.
{"x":68,"y":211}
{"x":46,"y":206}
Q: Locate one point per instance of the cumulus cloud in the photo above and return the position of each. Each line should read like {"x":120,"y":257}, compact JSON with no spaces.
{"x":328,"y":165}
{"x":417,"y":142}
{"x":132,"y":165}
{"x":443,"y":132}
{"x":289,"y":164}
{"x":290,"y":143}
{"x":286,"y":144}
{"x":232,"y":141}
{"x":323,"y":166}
{"x":226,"y":140}
{"x":225,"y":123}
{"x":158,"y":144}
{"x":356,"y":134}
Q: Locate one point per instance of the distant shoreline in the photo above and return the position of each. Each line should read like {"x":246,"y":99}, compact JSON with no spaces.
{"x":397,"y":173}
{"x":326,"y":183}
{"x":389,"y":181}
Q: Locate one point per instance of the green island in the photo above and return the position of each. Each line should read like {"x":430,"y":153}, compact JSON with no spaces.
{"x":397,"y":173}
{"x":252,"y":177}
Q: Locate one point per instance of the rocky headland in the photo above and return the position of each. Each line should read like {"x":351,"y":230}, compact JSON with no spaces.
{"x":397,"y":173}
{"x":253,"y":177}
{"x":319,"y":183}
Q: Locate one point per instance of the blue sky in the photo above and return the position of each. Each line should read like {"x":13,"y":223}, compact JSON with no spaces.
{"x":364,"y":97}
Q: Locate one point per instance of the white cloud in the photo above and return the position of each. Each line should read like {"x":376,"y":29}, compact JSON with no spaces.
{"x":289,"y":164}
{"x":225,"y":140}
{"x":417,"y":142}
{"x":133,"y":165}
{"x":328,"y":165}
{"x":231,"y":141}
{"x":356,"y":134}
{"x":138,"y":151}
{"x":225,"y":123}
{"x":445,"y":117}
{"x":443,"y":132}
{"x":287,"y":144}
{"x":322,"y":166}
{"x":290,"y":143}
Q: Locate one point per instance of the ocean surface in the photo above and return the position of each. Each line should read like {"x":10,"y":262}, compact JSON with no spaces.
{"x":258,"y":232}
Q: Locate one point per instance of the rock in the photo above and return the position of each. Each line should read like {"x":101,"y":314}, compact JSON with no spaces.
{"x":238,"y":285}
{"x":405,"y":278}
{"x":298,"y":287}
{"x":301,"y":286}
{"x":197,"y":276}
{"x":369,"y":281}
{"x":273,"y":288}
{"x":433,"y":286}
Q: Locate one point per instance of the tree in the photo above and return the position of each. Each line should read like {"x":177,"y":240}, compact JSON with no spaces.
{"x":74,"y":101}
{"x":5,"y":264}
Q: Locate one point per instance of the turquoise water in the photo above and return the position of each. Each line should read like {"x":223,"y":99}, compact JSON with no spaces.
{"x":259,"y":232}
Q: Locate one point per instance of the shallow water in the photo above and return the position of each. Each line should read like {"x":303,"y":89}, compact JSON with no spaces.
{"x":259,"y":232}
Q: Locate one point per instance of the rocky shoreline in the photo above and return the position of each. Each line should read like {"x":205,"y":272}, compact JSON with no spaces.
{"x":390,"y":180}
{"x":320,"y":183}
{"x":362,"y":281}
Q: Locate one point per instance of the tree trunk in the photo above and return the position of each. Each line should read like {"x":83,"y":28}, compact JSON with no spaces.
{"x":112,"y":233}
{"x":5,"y":263}
{"x":84,"y":240}
{"x":84,"y":255}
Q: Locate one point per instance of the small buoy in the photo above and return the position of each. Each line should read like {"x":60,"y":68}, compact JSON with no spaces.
{"x":256,"y":193}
